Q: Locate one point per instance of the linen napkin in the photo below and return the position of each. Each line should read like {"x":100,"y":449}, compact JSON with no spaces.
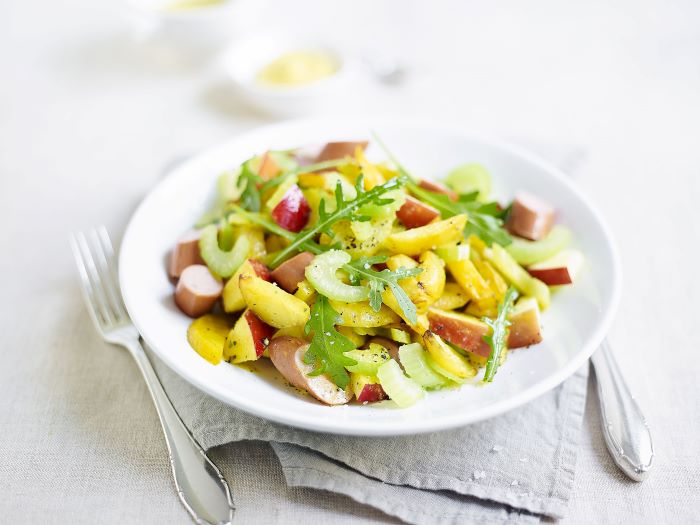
{"x":517,"y":468}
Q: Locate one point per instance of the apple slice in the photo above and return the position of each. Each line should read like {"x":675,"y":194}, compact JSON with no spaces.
{"x":367,"y":388}
{"x":525,"y":328}
{"x":292,"y":212}
{"x":248,"y":338}
{"x":461,"y":330}
{"x":414,"y":213}
{"x":558,"y":269}
{"x":233,"y":300}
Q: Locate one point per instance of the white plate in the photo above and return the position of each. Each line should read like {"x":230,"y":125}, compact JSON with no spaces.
{"x":574,"y":325}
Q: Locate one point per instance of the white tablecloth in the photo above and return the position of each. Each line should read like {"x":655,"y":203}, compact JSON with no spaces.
{"x":88,"y":120}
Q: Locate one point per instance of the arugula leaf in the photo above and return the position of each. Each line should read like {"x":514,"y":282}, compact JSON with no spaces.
{"x":328,"y":346}
{"x":250,"y":198}
{"x":499,"y":329}
{"x":485,"y":219}
{"x":361,"y":269}
{"x":344,"y":210}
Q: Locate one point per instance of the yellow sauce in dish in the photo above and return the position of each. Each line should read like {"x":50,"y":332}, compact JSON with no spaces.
{"x":180,"y":5}
{"x":297,"y":68}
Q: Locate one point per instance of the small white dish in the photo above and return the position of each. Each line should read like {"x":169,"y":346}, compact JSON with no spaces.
{"x":574,"y":325}
{"x":243,"y":60}
{"x":195,"y":31}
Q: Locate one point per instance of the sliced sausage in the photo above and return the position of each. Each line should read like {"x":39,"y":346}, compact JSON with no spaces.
{"x":436,"y":187}
{"x":287,"y":354}
{"x":197,"y":290}
{"x":185,"y":253}
{"x":269,"y":169}
{"x":338,"y":150}
{"x":414,"y":213}
{"x":530,"y":217}
{"x":290,"y":273}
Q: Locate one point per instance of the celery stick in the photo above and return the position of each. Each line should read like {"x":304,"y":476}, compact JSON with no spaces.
{"x":415,"y":361}
{"x":403,"y":390}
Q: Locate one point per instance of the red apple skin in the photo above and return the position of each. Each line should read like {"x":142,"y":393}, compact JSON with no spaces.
{"x":292,"y":212}
{"x":461,"y":330}
{"x":260,"y":269}
{"x":262,"y":332}
{"x":414,"y":213}
{"x":552,"y":276}
{"x":371,"y":393}
{"x":436,"y":187}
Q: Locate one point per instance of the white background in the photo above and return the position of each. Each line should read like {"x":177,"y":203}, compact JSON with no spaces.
{"x":89,"y":119}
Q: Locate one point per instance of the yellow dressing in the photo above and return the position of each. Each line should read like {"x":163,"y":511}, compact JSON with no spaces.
{"x":297,"y":68}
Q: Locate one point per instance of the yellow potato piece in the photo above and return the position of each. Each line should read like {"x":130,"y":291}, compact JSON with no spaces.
{"x":240,"y":346}
{"x":427,"y":286}
{"x":447,"y":357}
{"x":207,"y":336}
{"x":272,"y":304}
{"x":453,"y":296}
{"x":483,"y":300}
{"x":421,"y":324}
{"x":305,"y":292}
{"x":418,"y":240}
{"x":363,"y":315}
{"x":231,"y":296}
{"x":256,"y":240}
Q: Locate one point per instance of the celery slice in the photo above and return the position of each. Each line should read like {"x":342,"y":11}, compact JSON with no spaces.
{"x":468,"y":178}
{"x":368,"y":361}
{"x":529,"y":252}
{"x":415,"y":361}
{"x":400,"y":336}
{"x":321,"y":273}
{"x":517,"y":276}
{"x":403,"y":390}
{"x":221,"y":262}
{"x":453,"y":252}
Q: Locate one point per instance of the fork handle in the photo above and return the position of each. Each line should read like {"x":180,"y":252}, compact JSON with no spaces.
{"x":200,"y":485}
{"x":624,"y":426}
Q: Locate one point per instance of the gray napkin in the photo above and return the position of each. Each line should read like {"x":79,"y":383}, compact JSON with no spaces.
{"x":517,"y":468}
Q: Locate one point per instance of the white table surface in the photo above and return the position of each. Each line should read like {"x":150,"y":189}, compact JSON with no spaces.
{"x":88,"y":121}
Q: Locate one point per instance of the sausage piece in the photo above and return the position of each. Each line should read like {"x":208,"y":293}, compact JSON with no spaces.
{"x":269,"y":169}
{"x":197,"y":290}
{"x":436,"y":187}
{"x":338,"y":150}
{"x":185,"y":253}
{"x":290,"y":273}
{"x":530,"y":217}
{"x":287,"y":355}
{"x":414,"y":213}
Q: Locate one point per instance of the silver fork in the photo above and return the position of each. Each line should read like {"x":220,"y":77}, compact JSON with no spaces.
{"x":199,"y":483}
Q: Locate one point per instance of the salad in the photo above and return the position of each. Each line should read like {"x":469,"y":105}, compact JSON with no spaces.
{"x":358,"y":280}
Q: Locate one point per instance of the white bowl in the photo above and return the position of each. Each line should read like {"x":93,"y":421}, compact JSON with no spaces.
{"x":574,"y":325}
{"x":196,"y":31}
{"x":244,"y":59}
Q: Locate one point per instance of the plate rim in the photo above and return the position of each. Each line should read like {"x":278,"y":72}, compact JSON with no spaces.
{"x":408,"y":427}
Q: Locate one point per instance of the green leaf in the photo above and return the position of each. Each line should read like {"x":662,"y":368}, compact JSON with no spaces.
{"x":361,"y":269}
{"x":328,"y":346}
{"x":250,"y":198}
{"x":485,"y":220}
{"x":345,"y":210}
{"x":499,"y":330}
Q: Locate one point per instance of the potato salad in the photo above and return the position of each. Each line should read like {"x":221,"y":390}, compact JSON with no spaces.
{"x":362,"y":282}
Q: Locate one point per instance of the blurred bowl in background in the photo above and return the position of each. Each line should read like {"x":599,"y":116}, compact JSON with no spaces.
{"x":194,"y":28}
{"x":244,"y":61}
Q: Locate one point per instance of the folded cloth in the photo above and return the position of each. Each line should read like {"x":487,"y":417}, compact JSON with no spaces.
{"x":517,"y":468}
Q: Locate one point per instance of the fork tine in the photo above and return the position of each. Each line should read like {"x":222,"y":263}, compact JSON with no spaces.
{"x":112,"y":267}
{"x":105,"y":274}
{"x":100,"y":303}
{"x":85,"y":285}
